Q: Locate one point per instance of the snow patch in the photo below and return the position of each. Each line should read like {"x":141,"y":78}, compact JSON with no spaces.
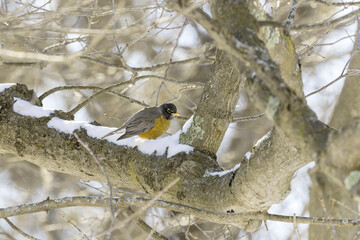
{"x":25,"y":108}
{"x":148,"y":146}
{"x":187,"y":124}
{"x":247,"y":155}
{"x":257,"y":144}
{"x":4,"y":86}
{"x":222,"y":173}
{"x":65,"y":126}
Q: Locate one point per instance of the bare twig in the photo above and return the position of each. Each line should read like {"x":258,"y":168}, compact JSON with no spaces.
{"x":149,"y":68}
{"x":342,"y":74}
{"x":170,"y":60}
{"x":330,"y":219}
{"x":23,"y":64}
{"x":85,"y":145}
{"x":150,"y":203}
{"x":310,"y":26}
{"x":131,"y":81}
{"x":143,"y":208}
{"x":19,"y":230}
{"x":326,"y":86}
{"x":144,"y":226}
{"x":63,"y":43}
{"x":76,"y":227}
{"x":63,"y":88}
{"x":175,"y":46}
{"x":158,"y":93}
{"x":337,"y":3}
{"x":249,"y":118}
{"x":37,"y":56}
{"x":296,"y":228}
{"x":184,"y":230}
{"x":356,"y":236}
{"x":345,"y":206}
{"x":290,"y":19}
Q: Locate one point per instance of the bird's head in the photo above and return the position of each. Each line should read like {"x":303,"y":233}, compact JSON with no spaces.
{"x":169,"y":110}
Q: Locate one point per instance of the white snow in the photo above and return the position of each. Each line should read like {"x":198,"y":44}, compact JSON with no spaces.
{"x":257,"y":144}
{"x":65,"y":126}
{"x":68,"y":126}
{"x":147,"y":146}
{"x":25,"y":108}
{"x":222,"y":173}
{"x":187,"y":124}
{"x":248,"y":155}
{"x":4,"y":86}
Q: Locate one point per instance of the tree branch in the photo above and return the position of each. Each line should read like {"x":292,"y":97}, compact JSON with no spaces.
{"x":266,"y":87}
{"x":216,"y":108}
{"x":121,"y":202}
{"x":48,"y":141}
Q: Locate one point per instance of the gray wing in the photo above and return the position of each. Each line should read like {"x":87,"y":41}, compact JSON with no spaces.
{"x":141,"y":122}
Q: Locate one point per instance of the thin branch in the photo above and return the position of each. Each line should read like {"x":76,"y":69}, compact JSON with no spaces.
{"x":76,"y":227}
{"x":296,"y":228}
{"x":149,"y":68}
{"x":175,"y":46}
{"x":337,"y":3}
{"x":19,"y":230}
{"x":63,"y":43}
{"x":342,"y":74}
{"x":309,"y":26}
{"x":170,"y":60}
{"x":345,"y":206}
{"x":249,"y":118}
{"x":63,"y":88}
{"x":120,"y":202}
{"x":326,"y":86}
{"x":23,"y":64}
{"x":158,"y":93}
{"x":86,"y":146}
{"x":151,"y":202}
{"x":143,"y":208}
{"x":329,"y":217}
{"x":290,"y":19}
{"x":37,"y":56}
{"x":131,"y":81}
{"x":144,"y":226}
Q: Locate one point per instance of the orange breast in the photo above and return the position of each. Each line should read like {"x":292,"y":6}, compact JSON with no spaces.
{"x":160,"y":127}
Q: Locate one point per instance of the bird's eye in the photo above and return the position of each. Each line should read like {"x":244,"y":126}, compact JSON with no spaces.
{"x":168,"y":110}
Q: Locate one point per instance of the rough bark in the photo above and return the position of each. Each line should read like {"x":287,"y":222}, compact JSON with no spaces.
{"x":211,"y":120}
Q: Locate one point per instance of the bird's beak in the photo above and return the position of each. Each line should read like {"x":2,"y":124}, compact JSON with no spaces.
{"x":176,"y":114}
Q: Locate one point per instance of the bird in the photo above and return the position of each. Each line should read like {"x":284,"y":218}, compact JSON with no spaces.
{"x":149,"y":123}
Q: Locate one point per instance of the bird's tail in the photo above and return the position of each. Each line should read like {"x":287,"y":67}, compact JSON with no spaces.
{"x":117,"y":131}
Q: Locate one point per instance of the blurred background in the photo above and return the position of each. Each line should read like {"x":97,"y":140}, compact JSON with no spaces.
{"x":109,"y":42}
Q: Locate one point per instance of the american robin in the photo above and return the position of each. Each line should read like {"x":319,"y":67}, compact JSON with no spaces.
{"x":148,"y":123}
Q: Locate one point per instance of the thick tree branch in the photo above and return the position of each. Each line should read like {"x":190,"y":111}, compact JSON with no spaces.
{"x":38,"y":142}
{"x":215,"y":110}
{"x":269,"y":92}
